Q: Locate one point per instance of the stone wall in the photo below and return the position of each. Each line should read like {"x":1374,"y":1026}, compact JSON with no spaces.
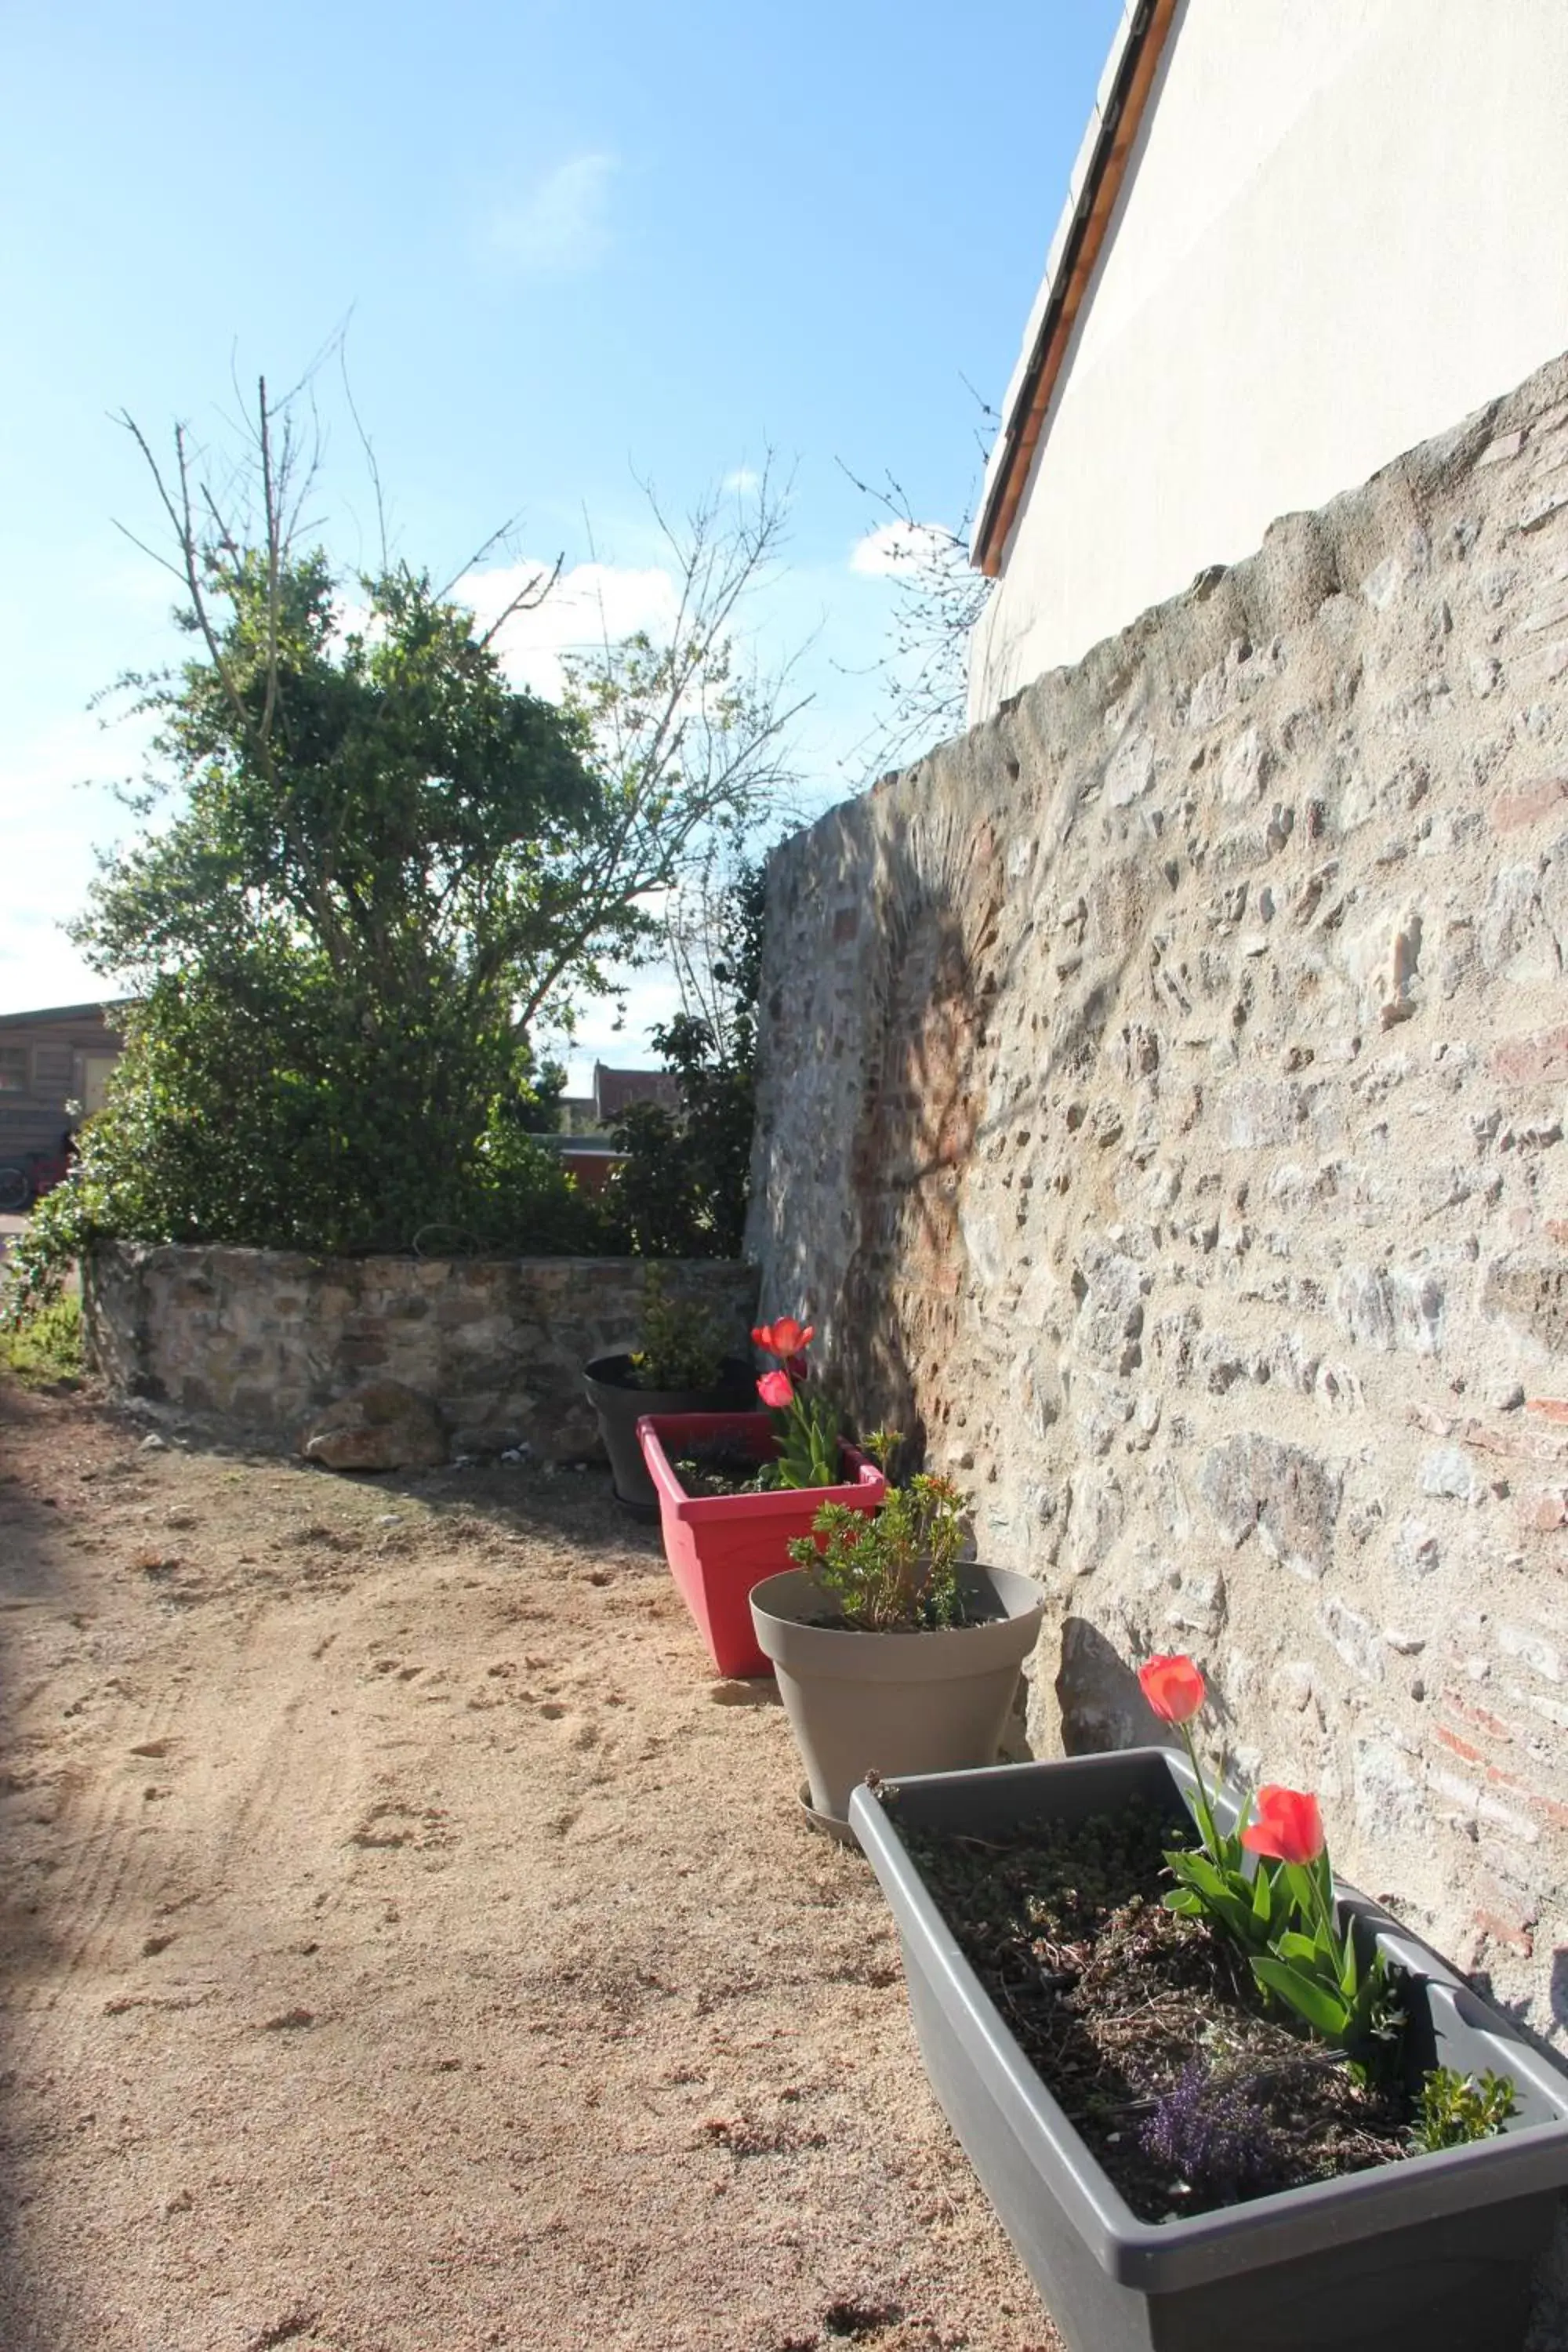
{"x":261,"y":1339}
{"x":1162,"y":1112}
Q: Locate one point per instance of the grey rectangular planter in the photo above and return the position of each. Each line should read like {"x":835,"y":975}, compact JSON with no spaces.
{"x":1431,"y":2256}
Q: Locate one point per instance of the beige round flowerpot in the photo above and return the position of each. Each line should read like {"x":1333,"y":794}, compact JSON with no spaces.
{"x":893,"y":1703}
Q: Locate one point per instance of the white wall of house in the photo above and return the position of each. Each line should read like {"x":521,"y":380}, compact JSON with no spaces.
{"x":1344,"y":226}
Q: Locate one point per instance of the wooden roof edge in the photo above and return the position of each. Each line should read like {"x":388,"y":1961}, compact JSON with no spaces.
{"x":1120,"y":105}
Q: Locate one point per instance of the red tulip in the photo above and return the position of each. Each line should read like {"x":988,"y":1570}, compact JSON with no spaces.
{"x":1286,"y":1827}
{"x":774,"y":1390}
{"x":784,"y":1337}
{"x":1174,"y":1688}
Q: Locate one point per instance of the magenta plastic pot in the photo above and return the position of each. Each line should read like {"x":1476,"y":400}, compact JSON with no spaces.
{"x":720,"y":1546}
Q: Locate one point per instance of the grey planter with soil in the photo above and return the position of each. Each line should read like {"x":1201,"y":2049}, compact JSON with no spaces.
{"x":894,"y":1703}
{"x":1433,"y":2255}
{"x":610,"y":1385}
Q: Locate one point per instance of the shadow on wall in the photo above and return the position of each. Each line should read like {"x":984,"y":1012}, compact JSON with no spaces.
{"x":937,"y":891}
{"x":1102,"y":1705}
{"x":1559,"y":1984}
{"x":957,"y":986}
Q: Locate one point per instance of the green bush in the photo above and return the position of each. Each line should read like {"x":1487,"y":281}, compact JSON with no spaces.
{"x":43,"y":1348}
{"x":236,"y":1116}
{"x":1454,"y":2109}
{"x":380,"y":870}
{"x":683,"y":1187}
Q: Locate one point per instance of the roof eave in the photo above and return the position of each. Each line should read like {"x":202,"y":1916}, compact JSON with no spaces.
{"x":99,"y":1010}
{"x":1120,"y":105}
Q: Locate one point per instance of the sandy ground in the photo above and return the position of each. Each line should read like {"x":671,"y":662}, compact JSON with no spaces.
{"x":407,"y":1943}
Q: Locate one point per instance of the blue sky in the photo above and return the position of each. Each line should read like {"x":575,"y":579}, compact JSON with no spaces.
{"x":581,"y":243}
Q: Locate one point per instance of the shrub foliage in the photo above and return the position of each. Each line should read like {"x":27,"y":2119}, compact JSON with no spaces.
{"x":374,"y":868}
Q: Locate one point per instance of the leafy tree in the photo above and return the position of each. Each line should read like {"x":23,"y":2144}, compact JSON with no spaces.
{"x":683,"y":1187}
{"x":374,"y":868}
{"x":691,"y":741}
{"x":329,"y":938}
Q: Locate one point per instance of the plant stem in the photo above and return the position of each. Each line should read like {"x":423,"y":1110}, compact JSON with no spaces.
{"x":1205,"y":1812}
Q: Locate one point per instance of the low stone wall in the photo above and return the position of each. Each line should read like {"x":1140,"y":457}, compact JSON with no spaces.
{"x":1163,"y":1110}
{"x":261,"y":1339}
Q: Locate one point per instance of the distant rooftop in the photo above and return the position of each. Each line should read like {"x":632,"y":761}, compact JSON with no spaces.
{"x":613,"y":1090}
{"x":98,"y":1010}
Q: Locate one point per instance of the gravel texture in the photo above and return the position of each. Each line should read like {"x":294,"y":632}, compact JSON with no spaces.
{"x":407,"y":1946}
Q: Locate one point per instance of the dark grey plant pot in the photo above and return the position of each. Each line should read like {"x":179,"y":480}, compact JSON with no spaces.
{"x":1431,"y":2256}
{"x":920,"y":1701}
{"x":610,"y":1388}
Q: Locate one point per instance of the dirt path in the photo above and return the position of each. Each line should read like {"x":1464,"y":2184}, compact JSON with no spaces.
{"x":406,"y":1943}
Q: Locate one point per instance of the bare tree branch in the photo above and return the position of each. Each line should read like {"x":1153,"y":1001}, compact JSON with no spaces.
{"x":528,"y":599}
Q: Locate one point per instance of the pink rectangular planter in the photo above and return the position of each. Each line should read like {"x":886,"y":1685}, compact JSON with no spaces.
{"x":719,"y":1545}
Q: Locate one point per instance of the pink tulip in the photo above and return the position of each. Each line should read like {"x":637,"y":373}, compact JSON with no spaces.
{"x":784,"y":1337}
{"x":1287,"y":1826}
{"x":1174,"y":1688}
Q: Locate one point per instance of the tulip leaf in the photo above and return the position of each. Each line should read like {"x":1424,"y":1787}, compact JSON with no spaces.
{"x":1310,"y":1999}
{"x":1298,"y":1884}
{"x":1198,"y":1870}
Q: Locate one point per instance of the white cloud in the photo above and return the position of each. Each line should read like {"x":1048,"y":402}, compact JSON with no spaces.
{"x":39,"y":967}
{"x":563,"y":224}
{"x":652,"y":998}
{"x":587,"y":605}
{"x":895,"y":547}
{"x":743,"y":481}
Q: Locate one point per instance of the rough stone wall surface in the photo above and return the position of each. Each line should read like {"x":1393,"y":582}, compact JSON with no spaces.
{"x":1162,"y":1113}
{"x":262,"y":1339}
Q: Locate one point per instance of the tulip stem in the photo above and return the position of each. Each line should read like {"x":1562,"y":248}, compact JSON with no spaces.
{"x":1206,"y":1828}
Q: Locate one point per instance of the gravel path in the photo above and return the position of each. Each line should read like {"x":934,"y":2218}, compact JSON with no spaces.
{"x":407,"y":1944}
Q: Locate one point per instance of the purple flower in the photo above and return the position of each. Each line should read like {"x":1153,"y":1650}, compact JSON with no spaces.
{"x":1213,"y":2135}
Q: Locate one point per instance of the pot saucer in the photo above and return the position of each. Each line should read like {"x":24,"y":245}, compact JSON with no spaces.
{"x":827,"y":1823}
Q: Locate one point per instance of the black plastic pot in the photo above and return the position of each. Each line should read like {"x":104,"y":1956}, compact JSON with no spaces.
{"x":1433,"y":2255}
{"x":611,"y":1389}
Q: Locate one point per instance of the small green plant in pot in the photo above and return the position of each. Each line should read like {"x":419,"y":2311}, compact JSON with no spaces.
{"x":893,"y":1654}
{"x":1456,"y":2109}
{"x":683,"y":1347}
{"x":680,"y":1365}
{"x":899,"y":1567}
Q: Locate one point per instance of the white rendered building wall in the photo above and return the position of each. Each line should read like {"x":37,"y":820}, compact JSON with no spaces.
{"x":1345,"y":224}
